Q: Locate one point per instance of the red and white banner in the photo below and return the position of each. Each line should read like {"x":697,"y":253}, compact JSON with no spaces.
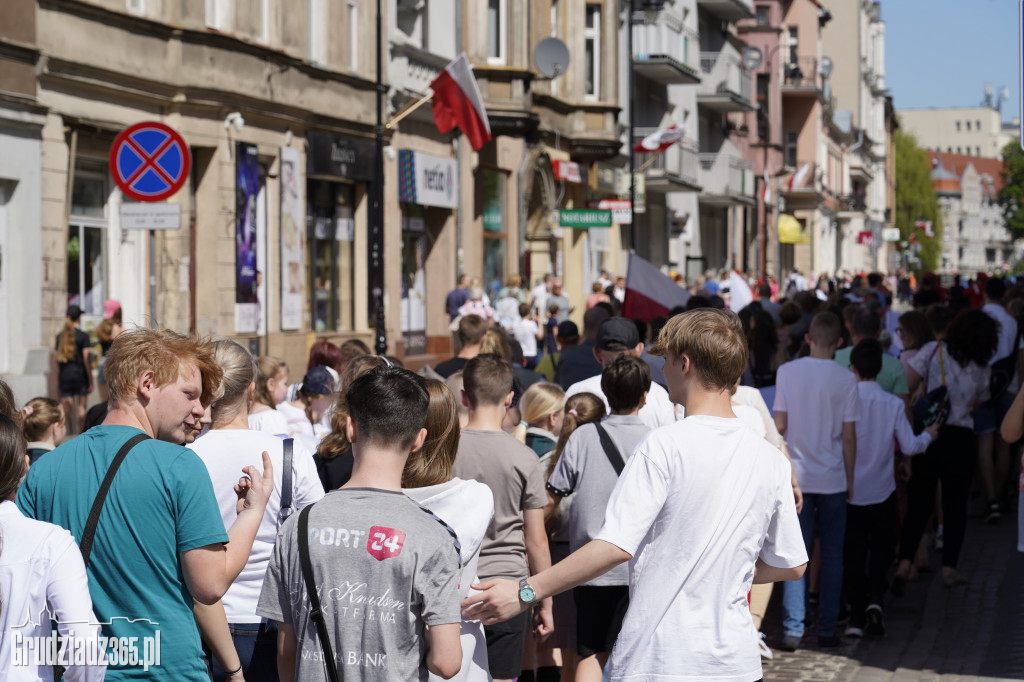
{"x":457,"y":102}
{"x":767,"y":194}
{"x":798,"y":178}
{"x":567,"y":170}
{"x":650,"y":293}
{"x":926,"y":227}
{"x":740,"y":295}
{"x":660,"y":140}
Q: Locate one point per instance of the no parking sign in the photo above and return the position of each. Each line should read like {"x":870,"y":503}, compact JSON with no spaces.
{"x":150,"y":161}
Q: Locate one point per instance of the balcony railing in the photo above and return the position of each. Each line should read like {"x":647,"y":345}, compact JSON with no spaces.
{"x":727,"y":176}
{"x":801,"y":74}
{"x":725,"y":85}
{"x":664,"y":50}
{"x":676,"y":168}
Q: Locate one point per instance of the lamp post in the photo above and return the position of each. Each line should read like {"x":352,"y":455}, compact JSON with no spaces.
{"x":376,"y":241}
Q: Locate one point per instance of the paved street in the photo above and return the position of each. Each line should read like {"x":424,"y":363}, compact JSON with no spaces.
{"x":965,"y":634}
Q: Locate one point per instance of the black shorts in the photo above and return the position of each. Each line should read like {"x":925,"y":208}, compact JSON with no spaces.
{"x":505,"y":646}
{"x":599,"y":614}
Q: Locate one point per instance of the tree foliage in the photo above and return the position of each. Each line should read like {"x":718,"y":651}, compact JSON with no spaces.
{"x":1011,"y":195}
{"x":916,"y":201}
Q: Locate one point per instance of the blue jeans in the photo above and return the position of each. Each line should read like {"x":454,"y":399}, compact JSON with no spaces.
{"x":256,"y":644}
{"x":830,"y":513}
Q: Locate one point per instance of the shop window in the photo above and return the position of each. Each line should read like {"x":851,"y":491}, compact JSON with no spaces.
{"x":492,"y":184}
{"x":414,"y":285}
{"x":331,"y":238}
{"x":87,"y":229}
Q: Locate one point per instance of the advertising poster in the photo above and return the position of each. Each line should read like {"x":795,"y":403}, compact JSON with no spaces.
{"x":414,"y":286}
{"x":247,"y":190}
{"x":293,"y":206}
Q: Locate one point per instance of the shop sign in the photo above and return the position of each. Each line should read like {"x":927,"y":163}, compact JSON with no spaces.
{"x":604,"y":178}
{"x":427,"y":180}
{"x":584,"y":218}
{"x":341,"y":157}
{"x":620,"y":208}
{"x":891,"y":234}
{"x":567,"y":171}
{"x":865,"y":237}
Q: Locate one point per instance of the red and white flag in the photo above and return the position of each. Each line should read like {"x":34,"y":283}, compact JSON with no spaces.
{"x":650,"y":293}
{"x":660,"y":140}
{"x":767,"y":194}
{"x":799,"y":176}
{"x":457,"y":102}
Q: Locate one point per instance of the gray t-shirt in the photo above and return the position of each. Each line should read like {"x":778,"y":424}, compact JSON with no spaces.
{"x":384,"y":567}
{"x":514,"y":475}
{"x":584,"y":472}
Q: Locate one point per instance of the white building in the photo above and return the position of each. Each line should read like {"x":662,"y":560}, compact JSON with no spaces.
{"x":971,"y":131}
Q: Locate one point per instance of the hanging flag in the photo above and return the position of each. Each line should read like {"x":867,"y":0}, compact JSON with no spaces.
{"x":767,"y":195}
{"x":650,"y":293}
{"x":926,"y":227}
{"x":660,"y":140}
{"x":740,"y":295}
{"x":457,"y":102}
{"x":799,"y":176}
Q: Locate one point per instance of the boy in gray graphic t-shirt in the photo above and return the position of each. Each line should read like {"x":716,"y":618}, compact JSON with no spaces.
{"x":384,"y":567}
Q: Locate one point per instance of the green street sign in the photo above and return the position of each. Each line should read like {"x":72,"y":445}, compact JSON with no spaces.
{"x":583,"y":218}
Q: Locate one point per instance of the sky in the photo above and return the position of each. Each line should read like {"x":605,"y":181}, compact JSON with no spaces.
{"x":941,"y":53}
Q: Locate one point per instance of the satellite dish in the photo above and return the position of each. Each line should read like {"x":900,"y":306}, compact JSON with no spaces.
{"x":752,"y":57}
{"x":1005,"y":92}
{"x":551,"y":57}
{"x":988,"y":90}
{"x":826,"y":67}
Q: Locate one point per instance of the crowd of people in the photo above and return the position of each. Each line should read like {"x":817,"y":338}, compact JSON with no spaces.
{"x":474,"y":520}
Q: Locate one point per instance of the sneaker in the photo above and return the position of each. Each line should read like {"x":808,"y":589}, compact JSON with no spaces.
{"x":876,"y":620}
{"x":938,"y":539}
{"x":790,"y":642}
{"x":762,"y":646}
{"x":828,"y":641}
{"x":993,"y":513}
{"x":812,"y":598}
{"x":853,"y":631}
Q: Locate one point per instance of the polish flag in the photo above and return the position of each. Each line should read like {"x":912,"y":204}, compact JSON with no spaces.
{"x":457,"y":102}
{"x":649,"y":292}
{"x":799,"y":176}
{"x":660,"y":140}
{"x":767,"y":195}
{"x":740,"y":295}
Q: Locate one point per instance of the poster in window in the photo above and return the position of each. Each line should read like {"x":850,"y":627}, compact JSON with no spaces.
{"x":414,"y":286}
{"x":293,"y":282}
{"x":247,"y":190}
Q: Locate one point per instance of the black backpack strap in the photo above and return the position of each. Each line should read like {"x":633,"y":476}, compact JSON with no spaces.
{"x":316,"y":613}
{"x":286,"y":479}
{"x":609,"y":449}
{"x":97,"y":505}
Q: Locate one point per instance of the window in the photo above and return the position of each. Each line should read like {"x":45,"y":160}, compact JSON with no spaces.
{"x":958,"y":126}
{"x":790,"y":151}
{"x":492,"y":187}
{"x":792,"y":31}
{"x":86,"y":255}
{"x":977,"y":126}
{"x":977,"y":151}
{"x":990,"y":255}
{"x":331,"y":238}
{"x":316,"y":30}
{"x":763,"y":114}
{"x":414,"y":281}
{"x":763,"y":14}
{"x":958,"y":150}
{"x":554,"y":18}
{"x":496,"y":14}
{"x":136,"y":6}
{"x":261,"y":21}
{"x":353,"y":35}
{"x":592,"y":53}
{"x":218,"y":14}
{"x":968,"y":126}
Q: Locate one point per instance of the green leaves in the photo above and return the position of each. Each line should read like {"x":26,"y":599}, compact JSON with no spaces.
{"x":916,"y":200}
{"x":1011,"y":195}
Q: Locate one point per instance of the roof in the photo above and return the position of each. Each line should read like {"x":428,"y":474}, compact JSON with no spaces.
{"x":949,"y":168}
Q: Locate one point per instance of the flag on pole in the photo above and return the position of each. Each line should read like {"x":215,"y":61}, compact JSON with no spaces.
{"x":767,"y":194}
{"x":799,"y":176}
{"x":740,"y":295}
{"x":650,"y":293}
{"x":457,"y":102}
{"x":660,"y":140}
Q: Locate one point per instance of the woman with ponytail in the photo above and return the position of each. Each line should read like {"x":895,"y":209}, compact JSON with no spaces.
{"x":44,"y":426}
{"x":542,"y":408}
{"x":74,"y":378}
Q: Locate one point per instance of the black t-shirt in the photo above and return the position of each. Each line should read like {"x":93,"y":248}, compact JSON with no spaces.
{"x":76,"y":366}
{"x":576,"y":364}
{"x":450,"y":367}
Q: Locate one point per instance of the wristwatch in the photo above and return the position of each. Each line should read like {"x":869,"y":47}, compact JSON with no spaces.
{"x":526,"y":593}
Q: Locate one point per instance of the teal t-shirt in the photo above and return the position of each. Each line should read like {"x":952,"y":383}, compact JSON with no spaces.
{"x":161,"y":503}
{"x":892,"y":378}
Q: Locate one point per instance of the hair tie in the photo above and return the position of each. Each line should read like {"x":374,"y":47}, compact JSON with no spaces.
{"x":524,"y":423}
{"x":574,"y":413}
{"x":27,"y":410}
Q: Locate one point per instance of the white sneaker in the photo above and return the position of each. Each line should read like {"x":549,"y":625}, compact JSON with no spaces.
{"x":766,"y":652}
{"x":854,"y":631}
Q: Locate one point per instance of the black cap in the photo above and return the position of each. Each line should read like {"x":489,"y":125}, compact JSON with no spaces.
{"x":568,"y":330}
{"x":74,"y":312}
{"x":617,"y":334}
{"x":318,"y":381}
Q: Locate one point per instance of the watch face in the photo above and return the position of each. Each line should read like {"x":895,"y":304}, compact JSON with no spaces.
{"x":526,"y":593}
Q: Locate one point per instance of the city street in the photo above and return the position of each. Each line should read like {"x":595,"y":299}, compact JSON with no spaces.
{"x":964,"y":634}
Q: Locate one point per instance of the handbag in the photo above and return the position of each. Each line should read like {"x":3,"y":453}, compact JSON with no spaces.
{"x":933,"y":405}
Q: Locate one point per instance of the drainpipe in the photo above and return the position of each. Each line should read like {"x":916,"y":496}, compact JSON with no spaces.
{"x":459,"y":259}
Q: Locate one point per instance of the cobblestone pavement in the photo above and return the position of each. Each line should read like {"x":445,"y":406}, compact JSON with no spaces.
{"x":969,"y":633}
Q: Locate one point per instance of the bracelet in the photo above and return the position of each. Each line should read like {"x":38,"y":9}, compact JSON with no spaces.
{"x":237,"y":670}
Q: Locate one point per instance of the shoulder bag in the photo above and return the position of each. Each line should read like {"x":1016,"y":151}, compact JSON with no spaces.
{"x":316,"y":613}
{"x":610,"y":450}
{"x":934,"y":404}
{"x":286,"y":481}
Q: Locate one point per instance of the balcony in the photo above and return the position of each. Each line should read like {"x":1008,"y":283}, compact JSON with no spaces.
{"x":727,"y":179}
{"x":801,"y":77}
{"x":729,"y":10}
{"x":725,"y":85}
{"x":664,"y":50}
{"x":674,"y":170}
{"x":806,"y":193}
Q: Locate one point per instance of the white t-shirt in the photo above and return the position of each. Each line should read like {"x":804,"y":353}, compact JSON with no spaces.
{"x":225,"y":452}
{"x":968,"y":386}
{"x":818,"y":397}
{"x":269,"y":421}
{"x":466,"y":506}
{"x":525,"y":332}
{"x":298,"y":422}
{"x":658,"y":411}
{"x":694,"y":550}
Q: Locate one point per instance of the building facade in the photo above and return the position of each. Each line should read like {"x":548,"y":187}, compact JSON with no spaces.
{"x":970,"y":131}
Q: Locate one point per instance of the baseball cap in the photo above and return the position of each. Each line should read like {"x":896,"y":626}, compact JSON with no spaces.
{"x":617,"y":334}
{"x":74,"y":312}
{"x":318,"y":381}
{"x":568,"y":330}
{"x":110,"y":307}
